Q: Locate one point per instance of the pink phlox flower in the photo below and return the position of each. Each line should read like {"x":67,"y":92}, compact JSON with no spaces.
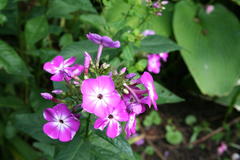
{"x":62,"y":124}
{"x":156,"y":5}
{"x":222,"y":148}
{"x":148,"y":32}
{"x":105,"y":41}
{"x":99,"y":95}
{"x":147,"y":80}
{"x":154,"y":63}
{"x":60,"y":68}
{"x":112,"y":119}
{"x":164,"y":56}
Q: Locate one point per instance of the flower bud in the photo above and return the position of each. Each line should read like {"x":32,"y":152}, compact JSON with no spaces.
{"x":47,"y":96}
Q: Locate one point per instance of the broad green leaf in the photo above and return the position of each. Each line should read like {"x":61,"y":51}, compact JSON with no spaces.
{"x":60,"y":8}
{"x":211,"y":46}
{"x":11,"y":62}
{"x":24,"y":149}
{"x":31,"y":124}
{"x":231,"y":100}
{"x":128,"y":55}
{"x":95,"y":20}
{"x":47,"y":149}
{"x":158,"y":44}
{"x":77,"y":49}
{"x":3,"y":4}
{"x":237,"y":1}
{"x":174,"y":137}
{"x":165,"y":96}
{"x":66,"y":40}
{"x":11,"y":102}
{"x":95,"y":147}
{"x":35,"y":29}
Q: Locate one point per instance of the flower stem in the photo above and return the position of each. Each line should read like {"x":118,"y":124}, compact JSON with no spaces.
{"x":100,"y":48}
{"x":87,"y":126}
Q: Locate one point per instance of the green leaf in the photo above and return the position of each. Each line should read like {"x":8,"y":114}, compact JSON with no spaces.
{"x":66,"y":40}
{"x":190,"y":120}
{"x":47,"y":149}
{"x":128,"y":55}
{"x":24,"y":149}
{"x":152,"y":118}
{"x":3,"y":4}
{"x":165,"y":96}
{"x":237,"y":1}
{"x":149,"y":150}
{"x":141,"y":65}
{"x":31,"y":124}
{"x":11,"y":62}
{"x":211,"y":46}
{"x":95,"y":147}
{"x":77,"y":49}
{"x":157,"y":44}
{"x":11,"y":102}
{"x":174,"y":137}
{"x":60,"y":8}
{"x":35,"y":30}
{"x":95,"y":20}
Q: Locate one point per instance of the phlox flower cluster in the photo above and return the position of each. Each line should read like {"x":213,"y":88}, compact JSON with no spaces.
{"x":157,"y":6}
{"x":114,"y":98}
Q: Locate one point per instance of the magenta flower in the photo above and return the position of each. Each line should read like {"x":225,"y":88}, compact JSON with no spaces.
{"x":103,"y":40}
{"x":148,"y":32}
{"x":99,"y":95}
{"x":154,"y":63}
{"x":164,"y":56}
{"x":59,"y":68}
{"x":112,"y":119}
{"x":156,"y":5}
{"x":147,"y":80}
{"x":62,"y":124}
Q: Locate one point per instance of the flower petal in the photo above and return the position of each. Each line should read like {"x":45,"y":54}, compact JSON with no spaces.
{"x":49,"y":114}
{"x":49,"y":67}
{"x":101,"y":123}
{"x":57,"y":61}
{"x":65,"y":134}
{"x":62,"y":111}
{"x":72,"y":122}
{"x":51,"y":129}
{"x":114,"y":129}
{"x":58,"y":77}
{"x":69,"y":61}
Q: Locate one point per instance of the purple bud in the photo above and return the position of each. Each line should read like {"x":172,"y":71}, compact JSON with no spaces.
{"x":123,"y":70}
{"x":47,"y":96}
{"x":57,"y":91}
{"x":87,"y":62}
{"x":158,"y":13}
{"x":130,"y":75}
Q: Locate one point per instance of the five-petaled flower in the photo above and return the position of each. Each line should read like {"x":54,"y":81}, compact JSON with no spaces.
{"x":112,"y":119}
{"x":99,"y":95}
{"x":60,"y":68}
{"x":62,"y":124}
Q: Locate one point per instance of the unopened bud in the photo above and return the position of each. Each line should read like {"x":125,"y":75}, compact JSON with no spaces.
{"x":57,"y":91}
{"x":47,"y":96}
{"x":105,"y":65}
{"x":125,"y":91}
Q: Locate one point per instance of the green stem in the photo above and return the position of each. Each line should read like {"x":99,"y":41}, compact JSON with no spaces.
{"x":87,"y":128}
